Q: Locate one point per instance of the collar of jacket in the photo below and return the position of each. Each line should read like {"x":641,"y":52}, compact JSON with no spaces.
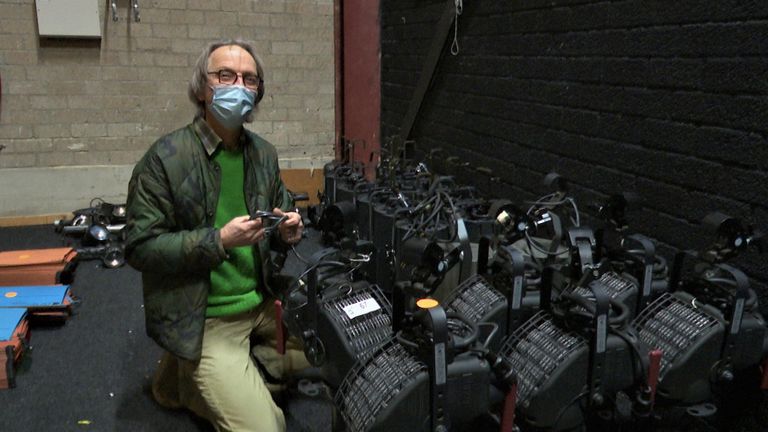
{"x":208,"y":136}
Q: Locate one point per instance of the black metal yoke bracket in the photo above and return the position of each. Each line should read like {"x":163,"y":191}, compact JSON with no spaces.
{"x":649,"y":255}
{"x":553,"y":247}
{"x":582,"y":241}
{"x":740,"y":297}
{"x":515,"y":266}
{"x":466,"y":250}
{"x":438,"y":368}
{"x":599,"y":343}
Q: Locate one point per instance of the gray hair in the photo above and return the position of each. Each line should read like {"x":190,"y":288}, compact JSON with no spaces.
{"x":199,"y":81}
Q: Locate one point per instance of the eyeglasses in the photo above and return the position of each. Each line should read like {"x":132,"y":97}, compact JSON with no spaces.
{"x":226,"y":76}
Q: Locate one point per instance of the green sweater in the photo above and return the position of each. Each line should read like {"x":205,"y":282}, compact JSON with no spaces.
{"x":234,"y":282}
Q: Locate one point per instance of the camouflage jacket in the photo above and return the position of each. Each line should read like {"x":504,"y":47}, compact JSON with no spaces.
{"x":170,"y":237}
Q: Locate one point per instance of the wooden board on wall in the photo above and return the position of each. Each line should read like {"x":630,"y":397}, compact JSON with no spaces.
{"x":304,"y":180}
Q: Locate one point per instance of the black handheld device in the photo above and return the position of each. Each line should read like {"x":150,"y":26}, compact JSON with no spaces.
{"x":269,"y":220}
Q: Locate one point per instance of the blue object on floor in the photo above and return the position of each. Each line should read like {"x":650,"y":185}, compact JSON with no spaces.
{"x":9,"y":320}
{"x":33,"y":296}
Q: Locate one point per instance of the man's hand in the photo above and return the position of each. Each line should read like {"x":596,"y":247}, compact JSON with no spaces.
{"x":241,"y":231}
{"x":291,"y":229}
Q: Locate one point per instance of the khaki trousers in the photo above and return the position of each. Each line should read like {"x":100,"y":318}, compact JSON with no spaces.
{"x":225,"y":386}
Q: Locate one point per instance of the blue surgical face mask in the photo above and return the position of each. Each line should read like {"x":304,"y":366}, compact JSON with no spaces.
{"x":231,"y":105}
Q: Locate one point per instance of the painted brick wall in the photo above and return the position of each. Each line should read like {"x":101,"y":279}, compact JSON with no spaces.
{"x":88,"y":103}
{"x":668,"y":99}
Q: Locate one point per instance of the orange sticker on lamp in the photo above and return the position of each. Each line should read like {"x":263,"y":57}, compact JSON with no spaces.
{"x":11,"y":294}
{"x":426,"y":303}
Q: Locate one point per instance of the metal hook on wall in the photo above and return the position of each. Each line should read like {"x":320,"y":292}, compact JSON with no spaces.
{"x":113,"y":7}
{"x":459,"y":10}
{"x":134,"y":10}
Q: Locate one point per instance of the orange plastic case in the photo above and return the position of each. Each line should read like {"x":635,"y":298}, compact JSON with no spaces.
{"x":38,"y":266}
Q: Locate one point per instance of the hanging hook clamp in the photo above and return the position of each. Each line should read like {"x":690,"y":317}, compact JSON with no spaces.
{"x":113,"y":7}
{"x":459,"y":10}
{"x":135,"y":8}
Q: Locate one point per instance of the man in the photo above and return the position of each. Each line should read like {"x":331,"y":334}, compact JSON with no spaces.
{"x":204,"y":260}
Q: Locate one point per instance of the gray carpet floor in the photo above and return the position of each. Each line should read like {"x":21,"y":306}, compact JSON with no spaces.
{"x":93,"y":372}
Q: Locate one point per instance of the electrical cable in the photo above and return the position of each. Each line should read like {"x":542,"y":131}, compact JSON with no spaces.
{"x":587,"y":303}
{"x":321,"y":264}
{"x":298,"y":255}
{"x":406,"y":342}
{"x":543,"y":201}
{"x":533,"y":244}
{"x":566,"y":407}
{"x":491,"y":335}
{"x":96,"y":200}
{"x":641,"y":362}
